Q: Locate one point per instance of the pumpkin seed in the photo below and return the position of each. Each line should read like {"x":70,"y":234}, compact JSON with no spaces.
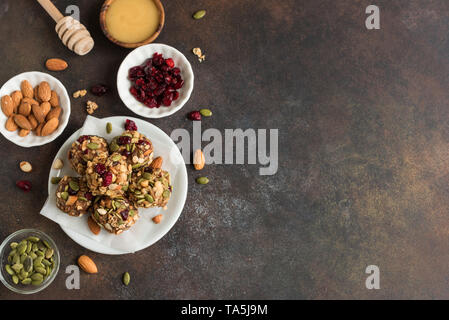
{"x":15,"y":279}
{"x":149,"y":198}
{"x":199,"y":14}
{"x":33,"y":255}
{"x":41,"y":270}
{"x":202,"y":180}
{"x":114,"y":147}
{"x":36,"y":282}
{"x":126,"y":278}
{"x":22,"y":248}
{"x":66,"y":188}
{"x":206,"y":112}
{"x":23,"y":274}
{"x":93,"y":146}
{"x":133,"y":147}
{"x":166,"y":194}
{"x":108,"y":127}
{"x":48,"y":254}
{"x":40,"y":253}
{"x":131,"y":213}
{"x":9,"y":270}
{"x":55,"y":180}
{"x":147,"y":175}
{"x":33,"y":239}
{"x":74,"y":185}
{"x":29,"y":247}
{"x":13,"y":245}
{"x":28,"y":264}
{"x":34,"y":247}
{"x":16,"y":259}
{"x":82,"y":199}
{"x":37,"y":276}
{"x":26,"y":281}
{"x":23,"y":257}
{"x":46,"y":244}
{"x":116,"y":157}
{"x":64,"y":195}
{"x":17,"y":267}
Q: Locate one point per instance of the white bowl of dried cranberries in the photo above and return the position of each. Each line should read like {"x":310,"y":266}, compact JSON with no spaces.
{"x":155,"y":80}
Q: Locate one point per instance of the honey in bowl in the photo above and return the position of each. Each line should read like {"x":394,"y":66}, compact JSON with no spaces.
{"x":132,"y":21}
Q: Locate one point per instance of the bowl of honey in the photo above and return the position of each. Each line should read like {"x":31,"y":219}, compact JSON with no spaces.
{"x":132,"y":23}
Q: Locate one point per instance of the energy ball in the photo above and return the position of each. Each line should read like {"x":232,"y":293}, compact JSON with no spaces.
{"x":114,"y":214}
{"x":108,"y":176}
{"x":150,"y":188}
{"x":85,"y":149}
{"x":137,"y":148}
{"x":73,"y":197}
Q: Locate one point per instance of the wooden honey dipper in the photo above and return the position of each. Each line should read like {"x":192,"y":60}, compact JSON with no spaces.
{"x":73,"y":34}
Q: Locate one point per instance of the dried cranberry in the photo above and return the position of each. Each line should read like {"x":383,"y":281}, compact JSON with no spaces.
{"x":82,"y":139}
{"x":124,"y":140}
{"x":88,"y":196}
{"x":179,"y":84}
{"x":107,"y":179}
{"x":175,"y":95}
{"x":195,"y":116}
{"x":126,"y":153}
{"x":99,"y":90}
{"x":169,"y":62}
{"x":141,"y":142}
{"x":167,"y":102}
{"x":130,"y":125}
{"x":100,"y":168}
{"x":124,"y":214}
{"x":25,"y":185}
{"x":133,"y":91}
{"x":176,"y":71}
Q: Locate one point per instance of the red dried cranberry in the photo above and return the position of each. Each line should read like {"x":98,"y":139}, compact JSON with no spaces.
{"x":195,"y":116}
{"x":133,"y":91}
{"x":175,"y":95}
{"x":99,"y":89}
{"x":126,"y":153}
{"x":140,"y":82}
{"x":100,"y":168}
{"x":25,"y":185}
{"x":124,"y":140}
{"x":82,"y":139}
{"x":130,"y":125}
{"x":167,"y":102}
{"x":179,"y":84}
{"x":169,"y":62}
{"x":88,"y":196}
{"x":124,"y":214}
{"x":176,"y":71}
{"x":107,"y":179}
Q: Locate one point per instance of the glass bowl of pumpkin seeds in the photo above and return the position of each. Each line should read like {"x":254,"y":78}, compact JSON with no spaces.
{"x":29,"y":261}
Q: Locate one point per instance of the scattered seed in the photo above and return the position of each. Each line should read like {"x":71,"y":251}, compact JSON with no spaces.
{"x":202,"y":180}
{"x":55,"y":180}
{"x":199,"y":14}
{"x":108,"y":127}
{"x":58,"y":164}
{"x":25,"y":166}
{"x":126,"y":278}
{"x":206,"y":112}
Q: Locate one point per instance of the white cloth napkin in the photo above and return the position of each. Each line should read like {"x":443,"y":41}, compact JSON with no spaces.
{"x":128,"y":241}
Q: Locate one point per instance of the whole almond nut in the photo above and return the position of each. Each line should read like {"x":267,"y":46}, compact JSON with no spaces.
{"x":33,"y":121}
{"x":16,"y":97}
{"x":24,"y":132}
{"x":7,"y":105}
{"x":87,"y":264}
{"x":56,"y":64}
{"x":156,"y":163}
{"x":22,"y":122}
{"x":37,"y":112}
{"x":54,"y":100}
{"x":54,"y":113}
{"x":30,"y":101}
{"x":27,"y":89}
{"x":25,"y":109}
{"x":36,"y":94}
{"x":25,"y":166}
{"x":93,"y":226}
{"x":58,"y":164}
{"x":10,"y":124}
{"x":49,"y":127}
{"x":198,"y":160}
{"x":39,"y":129}
{"x":44,"y":91}
{"x":45,"y":107}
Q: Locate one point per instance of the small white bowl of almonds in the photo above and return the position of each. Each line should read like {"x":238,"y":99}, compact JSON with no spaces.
{"x":35,"y":109}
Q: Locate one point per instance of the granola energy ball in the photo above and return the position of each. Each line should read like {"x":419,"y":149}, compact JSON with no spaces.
{"x":85,"y":149}
{"x":73,"y":196}
{"x":108,"y":176}
{"x":137,"y":148}
{"x":150,"y":188}
{"x":114,"y":214}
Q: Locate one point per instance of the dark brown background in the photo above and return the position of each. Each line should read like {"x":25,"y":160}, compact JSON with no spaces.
{"x":363,"y":150}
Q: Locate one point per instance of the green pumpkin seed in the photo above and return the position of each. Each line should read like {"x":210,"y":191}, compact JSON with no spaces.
{"x":46,"y":244}
{"x":133,"y":147}
{"x":202,"y":180}
{"x":93,"y":146}
{"x":55,"y":180}
{"x":126,"y":278}
{"x":140,"y":196}
{"x":28,"y":264}
{"x":33,"y":239}
{"x":140,"y":201}
{"x":15,"y":279}
{"x":13,"y":252}
{"x":74,"y":185}
{"x":206,"y":112}
{"x":131,"y":213}
{"x":26,"y":281}
{"x":48,"y":254}
{"x":41,"y":270}
{"x":33,"y":255}
{"x":114,"y":147}
{"x":29,"y":247}
{"x":48,"y":271}
{"x":125,"y":188}
{"x":36,"y":282}
{"x":82,"y":199}
{"x":64,"y":195}
{"x":16,"y":259}
{"x":13,"y":245}
{"x":108,"y":128}
{"x":66,"y":188}
{"x":40,"y":253}
{"x":46,"y":263}
{"x":116,"y":157}
{"x":147,"y":175}
{"x":128,"y":147}
{"x":199,"y":14}
{"x":9,"y":270}
{"x":137,"y":165}
{"x":22,"y":248}
{"x":149,"y":198}
{"x":166,"y":194}
{"x":23,"y":257}
{"x":17,"y":267}
{"x":37,"y":276}
{"x":23,"y":274}
{"x":34,"y":248}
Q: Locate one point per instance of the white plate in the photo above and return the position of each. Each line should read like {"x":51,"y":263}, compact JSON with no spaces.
{"x":35,"y":78}
{"x":173,"y":163}
{"x":137,"y":57}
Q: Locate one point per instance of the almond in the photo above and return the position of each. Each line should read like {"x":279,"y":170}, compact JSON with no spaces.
{"x":56,"y":64}
{"x":33,"y":121}
{"x":156,"y":163}
{"x":93,"y":226}
{"x":27,"y":89}
{"x":25,"y":166}
{"x":11,"y":125}
{"x":49,"y":127}
{"x":54,"y":113}
{"x":7,"y":105}
{"x":87,"y":264}
{"x":198,"y":160}
{"x":45,"y":107}
{"x":157,"y":219}
{"x":58,"y":164}
{"x":16,"y":97}
{"x":22,"y":122}
{"x":37,"y":112}
{"x":54,"y":100}
{"x":30,"y":101}
{"x":39,"y":129}
{"x":24,"y":132}
{"x":25,"y":109}
{"x":36,"y":94}
{"x":44,"y":91}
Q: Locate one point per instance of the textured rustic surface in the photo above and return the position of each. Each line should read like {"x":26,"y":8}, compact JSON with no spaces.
{"x":363,"y":148}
